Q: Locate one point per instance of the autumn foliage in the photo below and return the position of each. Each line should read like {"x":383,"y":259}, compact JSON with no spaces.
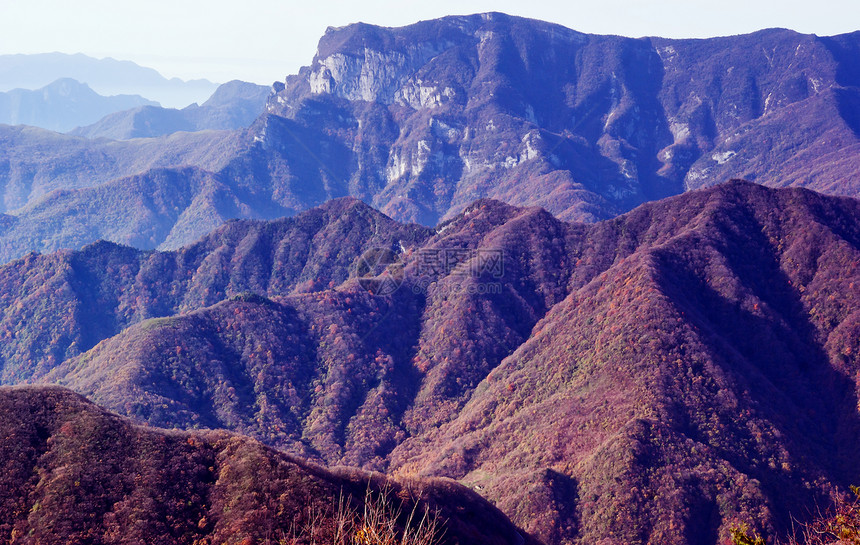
{"x":671,"y":373}
{"x":75,"y":474}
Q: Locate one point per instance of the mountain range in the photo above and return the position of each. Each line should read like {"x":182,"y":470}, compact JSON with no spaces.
{"x":35,"y":162}
{"x":487,"y":268}
{"x":662,"y":376}
{"x":422,"y":120}
{"x":592,"y":125}
{"x":105,"y":76}
{"x":233,"y":105}
{"x":62,"y":105}
{"x":69,"y":106}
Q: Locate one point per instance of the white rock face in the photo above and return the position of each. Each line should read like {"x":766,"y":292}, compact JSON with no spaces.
{"x":398,"y":166}
{"x":724,"y":157}
{"x":531,"y":141}
{"x":444,"y":131}
{"x":417,"y":95}
{"x":376,"y":76}
{"x":423,"y":157}
{"x":321,"y":81}
{"x":357,"y":78}
{"x":680,"y":131}
{"x":408,"y":161}
{"x":693,"y":178}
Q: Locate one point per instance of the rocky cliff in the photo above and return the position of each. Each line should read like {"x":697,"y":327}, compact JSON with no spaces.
{"x":442,"y":112}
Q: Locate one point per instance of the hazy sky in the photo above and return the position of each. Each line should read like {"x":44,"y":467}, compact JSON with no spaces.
{"x":264,"y":40}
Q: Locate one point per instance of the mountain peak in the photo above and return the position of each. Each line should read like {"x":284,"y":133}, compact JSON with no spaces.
{"x":106,"y":76}
{"x":62,"y":105}
{"x":495,"y":109}
{"x":67,"y":84}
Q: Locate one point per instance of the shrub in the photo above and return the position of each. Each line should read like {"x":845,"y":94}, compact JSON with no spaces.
{"x":741,"y":536}
{"x":841,"y":525}
{"x":380,"y":521}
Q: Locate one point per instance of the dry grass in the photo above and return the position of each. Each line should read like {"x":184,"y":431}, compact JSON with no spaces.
{"x":841,"y":526}
{"x":380,"y":521}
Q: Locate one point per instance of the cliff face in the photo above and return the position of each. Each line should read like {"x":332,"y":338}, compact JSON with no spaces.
{"x":439,"y":113}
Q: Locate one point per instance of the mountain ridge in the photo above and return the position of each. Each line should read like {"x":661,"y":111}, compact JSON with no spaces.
{"x":600,"y":367}
{"x":106,"y":76}
{"x":76,"y":162}
{"x":351,"y":69}
{"x":62,"y":105}
{"x":78,"y":474}
{"x":233,"y":105}
{"x":533,"y":114}
{"x":100,"y":276}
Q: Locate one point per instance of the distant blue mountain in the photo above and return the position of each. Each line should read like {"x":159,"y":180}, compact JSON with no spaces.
{"x":234,"y":105}
{"x":62,"y":105}
{"x":105,"y":76}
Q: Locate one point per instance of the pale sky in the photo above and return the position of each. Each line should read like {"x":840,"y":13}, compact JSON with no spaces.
{"x":264,"y":40}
